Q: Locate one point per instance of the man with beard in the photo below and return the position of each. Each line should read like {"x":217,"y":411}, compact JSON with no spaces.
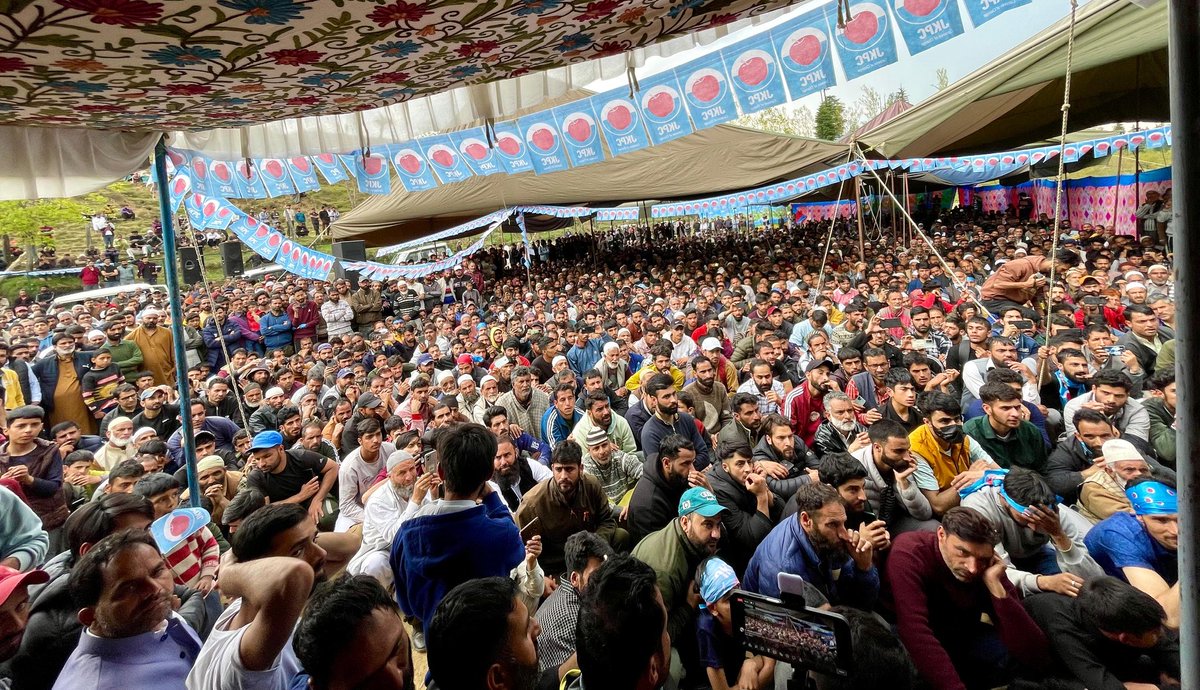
{"x":711,"y":395}
{"x":526,"y":405}
{"x":674,"y":551}
{"x":1079,"y":455}
{"x":157,"y":413}
{"x":762,"y":385}
{"x":815,"y":545}
{"x":598,"y":414}
{"x":1002,"y":354}
{"x":1142,"y":548}
{"x":668,"y":420}
{"x":116,"y":448}
{"x":1068,"y":380}
{"x":218,"y":484}
{"x":60,"y":377}
{"x":221,"y":334}
{"x":484,"y":637}
{"x":125,"y":353}
{"x":358,"y":471}
{"x":752,"y":510}
{"x":352,"y":636}
{"x":388,"y":506}
{"x":956,"y":611}
{"x":840,"y":432}
{"x":566,"y":503}
{"x":890,"y":485}
{"x":1110,"y":395}
{"x":124,"y":592}
{"x":489,"y":393}
{"x":219,"y":402}
{"x":804,"y":407}
{"x":746,"y":424}
{"x":664,"y":479}
{"x":156,"y":345}
{"x":291,"y":476}
{"x":1103,"y":493}
{"x":128,"y":405}
{"x":583,"y":554}
{"x":784,"y":458}
{"x":617,"y":470}
{"x":276,"y":563}
{"x":514,"y":472}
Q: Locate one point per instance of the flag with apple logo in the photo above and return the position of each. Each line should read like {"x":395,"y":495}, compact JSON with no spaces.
{"x":304,"y":173}
{"x":476,"y":151}
{"x":985,"y":10}
{"x":445,"y":159}
{"x":191,"y":204}
{"x":754,"y":72}
{"x":221,"y":173}
{"x":412,"y":168}
{"x":926,"y":23}
{"x":178,"y":187}
{"x":249,"y":182}
{"x":259,"y":237}
{"x":866,"y":43}
{"x":661,"y":102}
{"x":276,"y":178}
{"x":328,"y":164}
{"x":544,"y":143}
{"x":707,"y":92}
{"x":805,"y":53}
{"x":374,"y":177}
{"x":348,"y":161}
{"x":620,"y":122}
{"x":581,"y":133}
{"x":510,"y":149}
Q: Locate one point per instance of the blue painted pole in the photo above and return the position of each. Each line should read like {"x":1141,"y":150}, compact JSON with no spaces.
{"x":170,"y":274}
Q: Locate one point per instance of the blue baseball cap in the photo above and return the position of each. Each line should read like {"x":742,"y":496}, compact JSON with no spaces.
{"x":717,"y":580}
{"x":266,"y":439}
{"x":699,"y":500}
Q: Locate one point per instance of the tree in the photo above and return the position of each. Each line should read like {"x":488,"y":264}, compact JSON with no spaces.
{"x":24,"y":220}
{"x":830,"y":119}
{"x":782,"y":119}
{"x":943,"y":78}
{"x":897,"y":96}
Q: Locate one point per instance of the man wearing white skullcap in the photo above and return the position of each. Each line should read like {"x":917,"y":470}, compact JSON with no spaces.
{"x":158,"y":348}
{"x":388,"y":505}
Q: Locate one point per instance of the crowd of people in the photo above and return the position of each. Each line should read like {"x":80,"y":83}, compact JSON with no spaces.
{"x":560,"y":475}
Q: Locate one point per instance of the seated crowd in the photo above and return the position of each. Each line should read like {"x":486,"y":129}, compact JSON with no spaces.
{"x":967,"y":453}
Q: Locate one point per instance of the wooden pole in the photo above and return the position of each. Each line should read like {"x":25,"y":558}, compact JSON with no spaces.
{"x":1117,"y":195}
{"x":862,"y":251}
{"x":907,"y":210}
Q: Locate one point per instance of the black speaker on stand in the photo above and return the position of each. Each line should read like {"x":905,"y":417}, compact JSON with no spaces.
{"x":231,"y":258}
{"x":192,"y":265}
{"x":350,"y":250}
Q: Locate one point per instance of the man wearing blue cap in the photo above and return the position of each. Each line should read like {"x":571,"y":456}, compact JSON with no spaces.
{"x":291,"y":476}
{"x":674,"y":552}
{"x":1142,"y":548}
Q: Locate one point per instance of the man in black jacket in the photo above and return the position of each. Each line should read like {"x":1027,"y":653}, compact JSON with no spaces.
{"x":786,"y":461}
{"x":1109,"y":637}
{"x":655,"y":500}
{"x":752,"y":510}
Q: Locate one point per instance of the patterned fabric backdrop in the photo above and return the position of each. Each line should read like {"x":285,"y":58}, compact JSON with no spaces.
{"x":1094,"y":199}
{"x":142,"y":64}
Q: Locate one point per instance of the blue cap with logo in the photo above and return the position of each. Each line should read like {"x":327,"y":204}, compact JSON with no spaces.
{"x":266,"y":439}
{"x":717,"y":579}
{"x":699,"y":500}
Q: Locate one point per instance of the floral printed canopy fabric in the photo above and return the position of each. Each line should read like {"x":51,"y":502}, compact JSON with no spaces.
{"x":172,"y":64}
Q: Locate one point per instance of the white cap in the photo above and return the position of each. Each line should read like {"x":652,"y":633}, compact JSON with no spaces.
{"x":557,"y":359}
{"x":488,"y":378}
{"x":710,"y":344}
{"x":273,"y":391}
{"x":1134,"y":286}
{"x":446,"y":375}
{"x":610,"y":347}
{"x":464,"y":378}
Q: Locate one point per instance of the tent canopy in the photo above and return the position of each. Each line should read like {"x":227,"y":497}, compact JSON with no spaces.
{"x":717,"y":159}
{"x":1119,"y":75}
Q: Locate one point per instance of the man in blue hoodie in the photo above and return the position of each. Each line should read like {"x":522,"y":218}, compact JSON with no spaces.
{"x":468,"y":533}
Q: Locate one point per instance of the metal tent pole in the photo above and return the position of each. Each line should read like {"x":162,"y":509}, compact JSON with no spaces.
{"x":170,"y":275}
{"x":1184,"y":60}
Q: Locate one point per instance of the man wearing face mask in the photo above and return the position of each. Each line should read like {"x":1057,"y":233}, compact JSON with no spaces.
{"x":1103,"y":492}
{"x":1079,"y":455}
{"x":890,"y":485}
{"x":60,"y":379}
{"x":947,"y":459}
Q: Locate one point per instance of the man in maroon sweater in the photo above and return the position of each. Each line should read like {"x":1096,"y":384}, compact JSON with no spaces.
{"x":958,"y":615}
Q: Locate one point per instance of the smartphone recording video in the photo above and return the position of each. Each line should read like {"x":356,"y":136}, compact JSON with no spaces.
{"x":804,"y":637}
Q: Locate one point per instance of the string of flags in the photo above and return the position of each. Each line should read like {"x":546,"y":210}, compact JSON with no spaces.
{"x":785,"y":63}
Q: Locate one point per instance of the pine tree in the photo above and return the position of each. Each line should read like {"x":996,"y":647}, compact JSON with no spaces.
{"x":831,"y":119}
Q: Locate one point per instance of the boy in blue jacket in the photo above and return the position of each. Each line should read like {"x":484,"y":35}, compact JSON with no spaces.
{"x":468,"y":533}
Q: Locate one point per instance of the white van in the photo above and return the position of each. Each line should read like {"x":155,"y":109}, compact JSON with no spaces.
{"x":423,"y":254}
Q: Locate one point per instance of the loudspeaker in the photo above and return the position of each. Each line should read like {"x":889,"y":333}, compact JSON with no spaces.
{"x":349,"y":250}
{"x":231,"y":258}
{"x":192,"y":264}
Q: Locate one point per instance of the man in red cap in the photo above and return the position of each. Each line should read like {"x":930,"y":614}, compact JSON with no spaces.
{"x":14,"y":613}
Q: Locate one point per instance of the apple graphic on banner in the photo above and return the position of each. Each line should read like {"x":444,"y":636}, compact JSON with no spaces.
{"x":210,"y":208}
{"x":200,"y":168}
{"x":246,"y":171}
{"x":221,"y":171}
{"x":180,"y":185}
{"x":410,"y":163}
{"x":862,"y":27}
{"x":325,"y":157}
{"x":476,"y":150}
{"x":274,"y":168}
{"x":286,"y":248}
{"x":222,"y":212}
{"x":509,"y":145}
{"x":543,"y":138}
{"x":261,"y":231}
{"x":805,"y":51}
{"x":706,"y":88}
{"x":620,"y":117}
{"x":176,"y":158}
{"x":197,"y":199}
{"x":579,"y":129}
{"x":443,"y":157}
{"x":661,"y":104}
{"x":296,"y":254}
{"x":921,"y":8}
{"x":373,"y":165}
{"x":753,"y":71}
{"x":300,"y":163}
